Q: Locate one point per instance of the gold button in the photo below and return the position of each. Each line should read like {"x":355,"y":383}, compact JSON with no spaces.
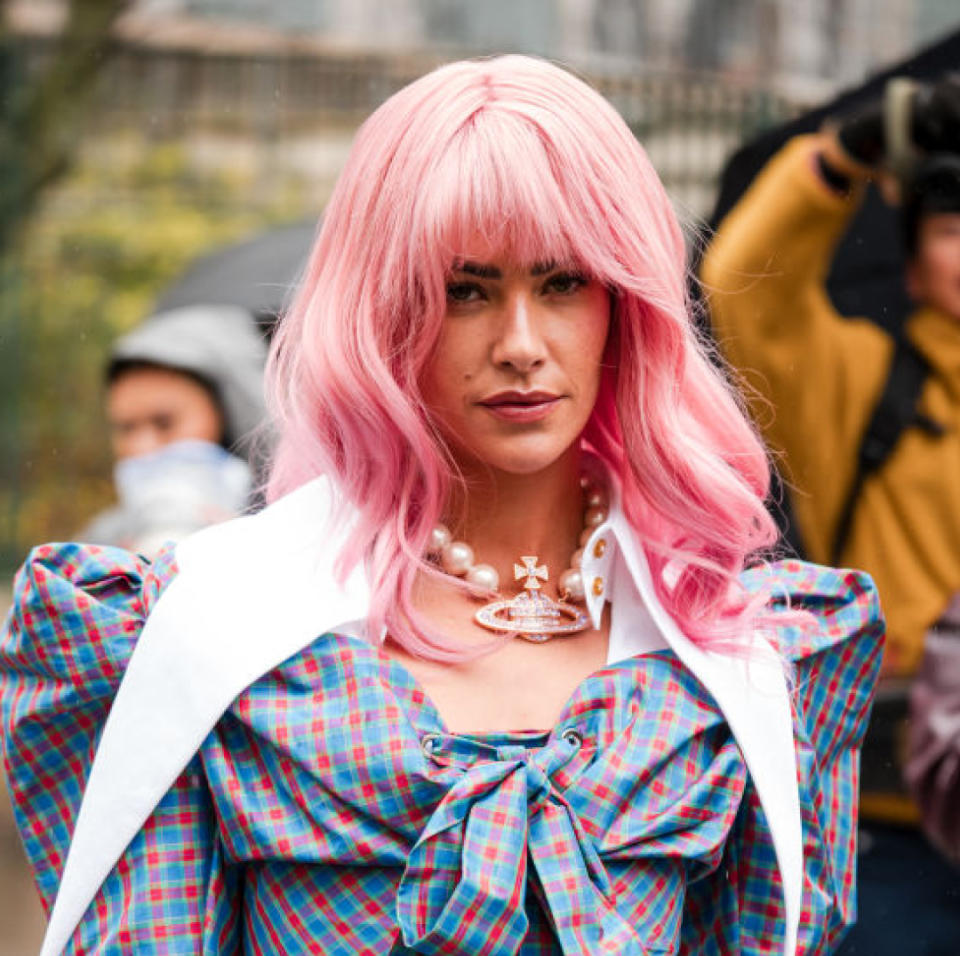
{"x":600,"y":548}
{"x":598,"y":586}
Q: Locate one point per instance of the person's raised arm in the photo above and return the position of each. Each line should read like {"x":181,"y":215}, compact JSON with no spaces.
{"x":812,"y":375}
{"x":764,"y":275}
{"x":765,"y":271}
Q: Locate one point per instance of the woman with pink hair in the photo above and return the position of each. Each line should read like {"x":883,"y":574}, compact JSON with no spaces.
{"x":501,"y":668}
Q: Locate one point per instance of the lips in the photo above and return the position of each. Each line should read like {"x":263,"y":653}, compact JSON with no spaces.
{"x":518,"y":406}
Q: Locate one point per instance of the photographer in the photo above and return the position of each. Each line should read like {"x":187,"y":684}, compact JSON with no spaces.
{"x":867,"y":424}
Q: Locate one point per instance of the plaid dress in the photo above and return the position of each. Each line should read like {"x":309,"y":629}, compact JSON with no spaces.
{"x":330,"y":811}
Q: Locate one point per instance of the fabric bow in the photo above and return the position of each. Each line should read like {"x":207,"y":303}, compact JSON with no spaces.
{"x":465,"y":884}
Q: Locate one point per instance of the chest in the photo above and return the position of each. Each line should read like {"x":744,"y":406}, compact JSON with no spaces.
{"x":341,"y":747}
{"x":360,"y":794}
{"x":518,"y":685}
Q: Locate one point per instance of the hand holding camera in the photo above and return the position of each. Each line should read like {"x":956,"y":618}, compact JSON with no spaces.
{"x":918,"y":117}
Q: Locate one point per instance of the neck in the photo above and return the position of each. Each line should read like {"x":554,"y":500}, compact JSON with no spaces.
{"x":505,"y":516}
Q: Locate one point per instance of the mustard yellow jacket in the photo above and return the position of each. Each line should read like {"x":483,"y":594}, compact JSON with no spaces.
{"x":816,"y":376}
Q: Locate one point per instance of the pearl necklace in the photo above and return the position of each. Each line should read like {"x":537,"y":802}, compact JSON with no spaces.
{"x":531,"y":614}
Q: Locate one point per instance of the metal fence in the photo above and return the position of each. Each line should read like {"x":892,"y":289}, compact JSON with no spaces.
{"x":688,"y":121}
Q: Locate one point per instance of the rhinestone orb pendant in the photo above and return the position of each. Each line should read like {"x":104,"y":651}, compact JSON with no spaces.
{"x":531,"y":614}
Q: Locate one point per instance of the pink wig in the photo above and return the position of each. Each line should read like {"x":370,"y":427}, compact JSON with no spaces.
{"x":526,"y":155}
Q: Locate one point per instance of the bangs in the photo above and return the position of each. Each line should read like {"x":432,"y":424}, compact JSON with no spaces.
{"x":494,"y":190}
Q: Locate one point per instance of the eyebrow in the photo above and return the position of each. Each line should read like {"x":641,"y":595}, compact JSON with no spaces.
{"x":483,"y":271}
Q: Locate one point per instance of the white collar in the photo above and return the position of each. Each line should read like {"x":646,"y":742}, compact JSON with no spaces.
{"x":273,"y":574}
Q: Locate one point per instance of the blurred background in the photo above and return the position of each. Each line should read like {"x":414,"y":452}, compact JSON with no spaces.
{"x":137,"y":136}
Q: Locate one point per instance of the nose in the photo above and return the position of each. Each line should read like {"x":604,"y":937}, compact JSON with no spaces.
{"x":518,"y":344}
{"x":138,"y":441}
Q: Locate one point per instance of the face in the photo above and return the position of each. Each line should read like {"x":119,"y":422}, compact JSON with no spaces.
{"x":148,"y":408}
{"x":933,"y":277}
{"x":516,"y":371}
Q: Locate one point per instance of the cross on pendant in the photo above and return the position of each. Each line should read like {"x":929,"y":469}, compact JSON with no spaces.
{"x":530,"y":571}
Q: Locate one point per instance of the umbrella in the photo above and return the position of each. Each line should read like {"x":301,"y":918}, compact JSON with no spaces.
{"x":256,"y":274}
{"x":867,"y":274}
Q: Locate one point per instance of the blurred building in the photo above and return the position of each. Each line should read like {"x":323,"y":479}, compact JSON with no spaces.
{"x":281,"y":86}
{"x":803,"y":47}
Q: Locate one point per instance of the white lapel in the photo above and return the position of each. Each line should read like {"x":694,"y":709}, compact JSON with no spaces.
{"x":252,"y":593}
{"x":754,"y":699}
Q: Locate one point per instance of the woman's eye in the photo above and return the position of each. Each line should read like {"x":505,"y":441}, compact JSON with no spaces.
{"x":463,"y":292}
{"x":565,"y":283}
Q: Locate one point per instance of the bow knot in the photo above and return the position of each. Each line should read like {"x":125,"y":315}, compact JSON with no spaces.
{"x":465,"y":882}
{"x":537,"y":782}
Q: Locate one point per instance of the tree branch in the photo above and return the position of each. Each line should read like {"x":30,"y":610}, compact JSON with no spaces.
{"x":42,"y":117}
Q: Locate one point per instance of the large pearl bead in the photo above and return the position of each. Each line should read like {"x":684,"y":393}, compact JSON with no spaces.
{"x":440,"y":537}
{"x":595,"y":517}
{"x":577,"y":559}
{"x":596,"y":498}
{"x":570,"y":585}
{"x":456,"y":558}
{"x":484,"y":576}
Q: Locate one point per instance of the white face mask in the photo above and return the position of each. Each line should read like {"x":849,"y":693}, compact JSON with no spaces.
{"x":178,"y":489}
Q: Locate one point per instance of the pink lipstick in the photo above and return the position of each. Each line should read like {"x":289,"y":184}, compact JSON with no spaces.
{"x":517,"y":406}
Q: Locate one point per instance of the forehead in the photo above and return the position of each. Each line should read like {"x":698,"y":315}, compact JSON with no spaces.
{"x":147,"y":390}
{"x":493,"y":258}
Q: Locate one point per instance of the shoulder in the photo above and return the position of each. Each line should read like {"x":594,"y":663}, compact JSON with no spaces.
{"x":838,"y":605}
{"x":71,"y":588}
{"x":77,"y":614}
{"x":301,"y":524}
{"x":252,"y":592}
{"x":829,"y":629}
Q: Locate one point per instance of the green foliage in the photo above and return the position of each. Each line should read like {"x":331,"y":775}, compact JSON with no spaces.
{"x":99,"y":250}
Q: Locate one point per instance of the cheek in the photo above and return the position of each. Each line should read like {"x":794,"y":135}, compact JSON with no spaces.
{"x":119,"y":445}
{"x":593,"y":331}
{"x":440,"y":388}
{"x":434,"y":384}
{"x":947,"y":259}
{"x":939,"y":261}
{"x":452,"y":366}
{"x":200,"y":420}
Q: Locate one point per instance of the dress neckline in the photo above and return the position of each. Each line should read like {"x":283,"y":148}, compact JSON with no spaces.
{"x":420,"y":711}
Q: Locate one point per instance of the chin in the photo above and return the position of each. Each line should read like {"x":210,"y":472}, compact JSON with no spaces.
{"x":523,"y":459}
{"x":530,"y":466}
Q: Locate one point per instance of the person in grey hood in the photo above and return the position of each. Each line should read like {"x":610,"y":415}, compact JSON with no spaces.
{"x":185,"y":407}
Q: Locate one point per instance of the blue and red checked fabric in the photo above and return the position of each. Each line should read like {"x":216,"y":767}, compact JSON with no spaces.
{"x":331,"y":812}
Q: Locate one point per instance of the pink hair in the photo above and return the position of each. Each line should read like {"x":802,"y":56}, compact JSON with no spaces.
{"x":531,"y":157}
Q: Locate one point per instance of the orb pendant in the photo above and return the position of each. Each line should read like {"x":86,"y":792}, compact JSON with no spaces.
{"x":531,"y":614}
